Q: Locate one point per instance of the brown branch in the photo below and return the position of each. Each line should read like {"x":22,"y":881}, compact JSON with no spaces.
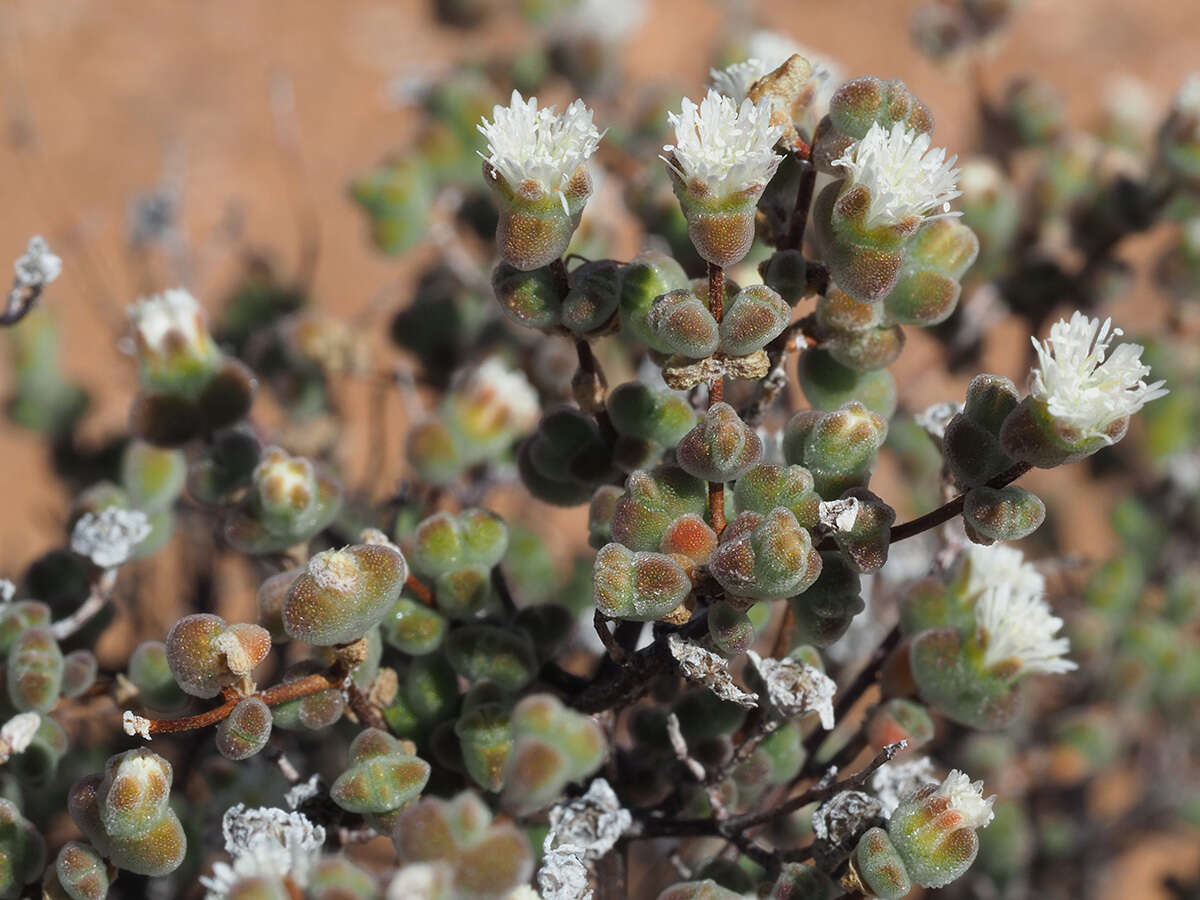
{"x":716,"y":393}
{"x":282,"y":693}
{"x":804,"y":193}
{"x":419,"y":590}
{"x":21,"y":302}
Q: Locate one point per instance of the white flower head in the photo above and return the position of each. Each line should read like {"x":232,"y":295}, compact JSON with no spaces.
{"x":37,"y":266}
{"x":8,"y":590}
{"x":511,"y":390}
{"x":903,"y":175}
{"x":109,"y":537}
{"x":1083,"y":384}
{"x":606,"y":21}
{"x":17,"y":734}
{"x":526,"y":143}
{"x":725,"y":147}
{"x":1020,"y":626}
{"x":998,"y":565}
{"x":264,"y":843}
{"x":135,"y":725}
{"x":173,"y":312}
{"x":966,"y":798}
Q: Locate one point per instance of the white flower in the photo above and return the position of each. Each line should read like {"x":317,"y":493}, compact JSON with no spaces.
{"x":794,"y":687}
{"x":108,"y":538}
{"x":997,"y":565}
{"x":935,"y":418}
{"x":37,"y":266}
{"x":725,"y":147}
{"x":264,"y":843}
{"x":893,"y":781}
{"x":8,"y":590}
{"x":539,"y":145}
{"x":1084,"y":385}
{"x":966,"y":797}
{"x":172,"y":312}
{"x":1020,"y":626}
{"x":303,"y":791}
{"x":905,"y":178}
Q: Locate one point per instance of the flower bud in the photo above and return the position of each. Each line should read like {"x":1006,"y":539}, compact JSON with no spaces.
{"x":18,"y":617}
{"x":933,"y":829}
{"x":824,"y":612}
{"x":691,"y":537}
{"x":205,"y":654}
{"x":175,"y":350}
{"x":765,"y":557}
{"x":246,"y":730}
{"x":1002,"y":514}
{"x":651,"y":502}
{"x":79,"y":672}
{"x":643,"y":280}
{"x":153,"y":477}
{"x":638,"y":586}
{"x":721,"y":447}
{"x":647,"y":421}
{"x":856,"y":106}
{"x":342,"y":594}
{"x":290,"y":502}
{"x":829,"y":385}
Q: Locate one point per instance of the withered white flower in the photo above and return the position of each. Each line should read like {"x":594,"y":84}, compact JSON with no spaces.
{"x":1018,"y":626}
{"x":593,"y":822}
{"x":1083,"y":384}
{"x":526,"y":143}
{"x":794,"y":687}
{"x":725,"y":147}
{"x":17,"y":733}
{"x":264,"y":843}
{"x":895,"y":780}
{"x":108,"y":538}
{"x":37,"y":266}
{"x":903,"y":175}
{"x":844,"y":814}
{"x":706,"y":668}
